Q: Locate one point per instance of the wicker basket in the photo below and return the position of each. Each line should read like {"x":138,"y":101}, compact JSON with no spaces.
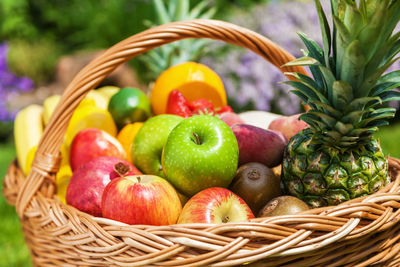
{"x":361,"y":232}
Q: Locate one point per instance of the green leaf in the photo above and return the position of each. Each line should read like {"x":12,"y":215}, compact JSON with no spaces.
{"x":300,"y":95}
{"x":172,"y":4}
{"x":309,"y":82}
{"x":352,"y":68}
{"x":317,"y":74}
{"x":353,"y":19}
{"x":343,"y":128}
{"x":209,"y":13}
{"x":383,"y":87}
{"x":309,"y":92}
{"x":370,"y":35}
{"x":379,"y":117}
{"x":360,"y":131}
{"x":393,"y":51}
{"x":198,"y":9}
{"x":329,"y":79}
{"x":363,"y":8}
{"x":372,"y":80}
{"x":343,"y":39}
{"x":391,"y":20}
{"x":313,"y":47}
{"x":390,"y":96}
{"x":327,"y":109}
{"x":342,"y":94}
{"x":383,"y":110}
{"x":373,"y":126}
{"x":355,"y":116}
{"x":326,"y":32}
{"x":334,"y":136}
{"x":182,"y":10}
{"x":359,"y":103}
{"x":349,"y":138}
{"x":393,"y":76}
{"x":161,"y":11}
{"x":312,"y":121}
{"x":303,"y":61}
{"x":381,"y":55}
{"x":328,"y":120}
{"x":334,"y":7}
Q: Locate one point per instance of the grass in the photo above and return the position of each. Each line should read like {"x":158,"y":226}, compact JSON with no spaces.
{"x":390,"y":137}
{"x":13,"y":251}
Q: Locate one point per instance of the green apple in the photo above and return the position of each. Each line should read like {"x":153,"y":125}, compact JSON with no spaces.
{"x":149,"y":142}
{"x":200,"y":152}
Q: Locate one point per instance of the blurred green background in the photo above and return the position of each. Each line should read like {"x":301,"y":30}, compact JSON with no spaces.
{"x":39,"y":32}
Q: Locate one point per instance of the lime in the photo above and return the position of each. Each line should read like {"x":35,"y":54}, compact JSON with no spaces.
{"x":129,"y":105}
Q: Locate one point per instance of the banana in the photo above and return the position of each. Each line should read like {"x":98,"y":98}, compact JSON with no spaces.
{"x":49,"y":105}
{"x":64,"y":174}
{"x":28,"y":128}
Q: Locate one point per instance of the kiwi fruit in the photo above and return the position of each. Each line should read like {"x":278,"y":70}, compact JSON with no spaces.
{"x":256,"y":184}
{"x":283,"y":205}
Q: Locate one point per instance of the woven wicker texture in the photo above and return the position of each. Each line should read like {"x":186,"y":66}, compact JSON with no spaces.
{"x":361,"y":232}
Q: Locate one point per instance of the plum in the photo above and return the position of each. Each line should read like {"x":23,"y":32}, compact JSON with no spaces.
{"x":259,"y":145}
{"x":288,"y":125}
{"x":87,"y":184}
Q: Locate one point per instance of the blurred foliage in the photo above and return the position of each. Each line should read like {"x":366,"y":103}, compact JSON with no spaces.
{"x":34,"y":59}
{"x":161,"y":58}
{"x":63,"y":27}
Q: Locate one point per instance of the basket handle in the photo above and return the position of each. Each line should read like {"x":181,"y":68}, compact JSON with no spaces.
{"x":47,"y":158}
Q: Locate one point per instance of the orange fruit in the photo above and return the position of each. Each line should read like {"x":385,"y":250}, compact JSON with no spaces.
{"x":126,"y":136}
{"x":193,"y":80}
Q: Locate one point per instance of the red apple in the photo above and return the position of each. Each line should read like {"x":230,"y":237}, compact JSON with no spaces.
{"x":92,"y":143}
{"x":87,"y":184}
{"x":215,"y":205}
{"x":289,"y":126}
{"x":259,"y":145}
{"x":141,"y":199}
{"x":230,"y":118}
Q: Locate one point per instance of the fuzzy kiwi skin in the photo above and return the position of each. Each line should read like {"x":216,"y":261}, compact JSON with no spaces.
{"x":283,"y":205}
{"x":256,"y":184}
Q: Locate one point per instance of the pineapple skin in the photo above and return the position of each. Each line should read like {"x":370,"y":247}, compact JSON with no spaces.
{"x":321,"y":176}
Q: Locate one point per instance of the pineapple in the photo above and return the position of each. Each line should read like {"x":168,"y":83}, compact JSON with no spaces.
{"x":161,"y":58}
{"x":337,"y":158}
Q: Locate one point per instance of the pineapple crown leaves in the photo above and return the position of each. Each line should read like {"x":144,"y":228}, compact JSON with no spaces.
{"x":349,"y":84}
{"x":163,"y":57}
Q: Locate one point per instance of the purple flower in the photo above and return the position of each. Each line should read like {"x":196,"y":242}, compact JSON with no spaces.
{"x":25,"y":84}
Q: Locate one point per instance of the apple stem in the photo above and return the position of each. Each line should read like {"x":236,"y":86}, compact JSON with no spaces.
{"x":139,"y":179}
{"x":225,"y":219}
{"x":197,"y":139}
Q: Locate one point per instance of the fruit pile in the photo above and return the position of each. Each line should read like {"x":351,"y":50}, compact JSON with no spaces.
{"x":179,"y":156}
{"x":138,"y":160}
